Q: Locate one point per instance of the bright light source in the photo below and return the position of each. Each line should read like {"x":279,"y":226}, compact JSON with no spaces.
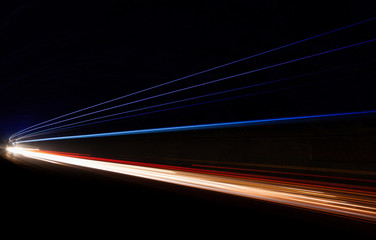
{"x":20,"y":150}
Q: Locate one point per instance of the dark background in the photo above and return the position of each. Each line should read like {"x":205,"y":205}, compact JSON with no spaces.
{"x":60,"y":56}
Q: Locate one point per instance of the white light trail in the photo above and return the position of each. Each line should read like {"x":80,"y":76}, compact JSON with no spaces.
{"x":349,"y":204}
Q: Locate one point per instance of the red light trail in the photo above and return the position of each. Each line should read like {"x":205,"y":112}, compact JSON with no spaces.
{"x":351,"y":201}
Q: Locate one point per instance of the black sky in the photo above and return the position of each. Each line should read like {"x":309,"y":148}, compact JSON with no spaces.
{"x":59,"y":56}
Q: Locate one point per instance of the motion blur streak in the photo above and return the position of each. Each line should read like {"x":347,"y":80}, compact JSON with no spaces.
{"x":201,"y":84}
{"x":68,"y":126}
{"x":198,"y":73}
{"x":349,"y":203}
{"x":199,"y":126}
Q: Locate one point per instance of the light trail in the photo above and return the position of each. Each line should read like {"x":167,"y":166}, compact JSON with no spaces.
{"x":205,"y":83}
{"x":199,"y":126}
{"x":191,"y":75}
{"x":82,"y":123}
{"x":72,"y":125}
{"x":360,"y":205}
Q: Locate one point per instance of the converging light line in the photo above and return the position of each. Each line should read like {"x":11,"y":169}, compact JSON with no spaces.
{"x":206,"y":83}
{"x":195,"y":74}
{"x":53,"y":129}
{"x":150,"y":112}
{"x":198,"y":127}
{"x":345,"y":202}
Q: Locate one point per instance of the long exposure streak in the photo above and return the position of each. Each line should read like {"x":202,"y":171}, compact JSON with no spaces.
{"x":204,"y":84}
{"x":198,"y":73}
{"x":198,"y":127}
{"x":344,"y":202}
{"x":79,"y":124}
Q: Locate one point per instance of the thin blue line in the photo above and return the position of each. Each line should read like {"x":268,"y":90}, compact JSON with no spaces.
{"x":164,"y":104}
{"x":67,"y":126}
{"x":196,"y":127}
{"x":155,"y":111}
{"x":209,"y":82}
{"x":191,"y":75}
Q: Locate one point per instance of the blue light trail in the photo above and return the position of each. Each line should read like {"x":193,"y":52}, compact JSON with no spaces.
{"x":195,"y":74}
{"x":53,"y":129}
{"x":199,"y":126}
{"x":69,"y":126}
{"x":205,"y":83}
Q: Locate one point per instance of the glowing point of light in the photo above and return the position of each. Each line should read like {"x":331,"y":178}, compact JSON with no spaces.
{"x":20,"y":150}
